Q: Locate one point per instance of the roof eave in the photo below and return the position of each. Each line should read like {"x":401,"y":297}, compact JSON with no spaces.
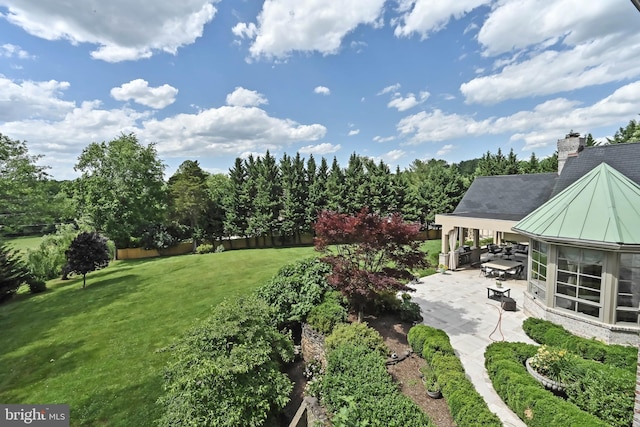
{"x":613,"y":246}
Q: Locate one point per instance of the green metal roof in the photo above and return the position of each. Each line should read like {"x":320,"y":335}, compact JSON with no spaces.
{"x":602,"y":208}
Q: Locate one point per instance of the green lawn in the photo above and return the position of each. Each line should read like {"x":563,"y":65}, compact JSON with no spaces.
{"x":23,"y":243}
{"x":95,"y":349}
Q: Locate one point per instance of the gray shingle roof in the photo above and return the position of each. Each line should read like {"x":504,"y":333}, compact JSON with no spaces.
{"x":508,"y":197}
{"x":625,"y":158}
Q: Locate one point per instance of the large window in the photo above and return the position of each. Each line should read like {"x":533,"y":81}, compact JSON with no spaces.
{"x":579,"y":281}
{"x":628,"y":298}
{"x":538,"y":276}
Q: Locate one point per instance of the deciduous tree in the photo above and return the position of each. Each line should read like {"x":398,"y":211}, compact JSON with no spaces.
{"x":368,"y":253}
{"x":88,"y":252}
{"x":121,"y":187}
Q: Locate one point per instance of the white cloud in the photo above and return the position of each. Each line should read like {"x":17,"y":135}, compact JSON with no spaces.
{"x":242,"y":97}
{"x":390,"y":89}
{"x":541,"y":48}
{"x":393,"y":155}
{"x":122,"y":29}
{"x":321,"y":90}
{"x":61,"y":129}
{"x":320,"y":149}
{"x":446,"y":149}
{"x":409,"y":101}
{"x":538,"y":127}
{"x":139,"y":91}
{"x":286,"y":26}
{"x":383,"y":139}
{"x":9,"y":50}
{"x":426,"y":16}
{"x":353,"y":132}
{"x":243,"y":30}
{"x":21,"y":100}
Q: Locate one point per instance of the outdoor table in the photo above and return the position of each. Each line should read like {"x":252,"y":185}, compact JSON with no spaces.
{"x":494,"y":291}
{"x":501,"y":264}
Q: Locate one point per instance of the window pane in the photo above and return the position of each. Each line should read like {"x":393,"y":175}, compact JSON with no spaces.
{"x":589,"y":295}
{"x":624,"y":287}
{"x":565,"y":303}
{"x":626,"y":316}
{"x":624,"y":273}
{"x":592,"y":270}
{"x":590,"y":282}
{"x":626,"y":301}
{"x":566,"y":277}
{"x":589,"y":310}
{"x":565,"y":289}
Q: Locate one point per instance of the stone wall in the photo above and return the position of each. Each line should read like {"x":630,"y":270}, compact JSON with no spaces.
{"x":312,"y":345}
{"x":583,"y":327}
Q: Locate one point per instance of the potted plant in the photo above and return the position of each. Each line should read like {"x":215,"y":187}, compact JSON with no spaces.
{"x":431,"y":383}
{"x":442,"y":268}
{"x":498,"y":284}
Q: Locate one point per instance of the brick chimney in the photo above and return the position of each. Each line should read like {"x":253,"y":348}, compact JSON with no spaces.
{"x":572,"y":144}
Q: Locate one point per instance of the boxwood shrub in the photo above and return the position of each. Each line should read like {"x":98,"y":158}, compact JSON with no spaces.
{"x":536,"y":406}
{"x":545,"y":332}
{"x":331,"y":312}
{"x":357,"y":334}
{"x":358,"y":390}
{"x":467,"y":406}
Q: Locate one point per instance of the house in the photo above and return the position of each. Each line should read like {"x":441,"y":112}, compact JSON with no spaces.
{"x":582,"y":226}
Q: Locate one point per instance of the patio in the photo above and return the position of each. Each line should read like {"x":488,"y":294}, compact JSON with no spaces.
{"x":457,"y":303}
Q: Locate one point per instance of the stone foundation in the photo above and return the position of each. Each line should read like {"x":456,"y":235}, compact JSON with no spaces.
{"x":583,"y":327}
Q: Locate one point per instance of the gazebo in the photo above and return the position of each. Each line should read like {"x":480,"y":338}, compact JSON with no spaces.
{"x":584,"y":257}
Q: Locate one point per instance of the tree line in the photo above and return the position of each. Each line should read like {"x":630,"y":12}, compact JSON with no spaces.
{"x":122,"y":193}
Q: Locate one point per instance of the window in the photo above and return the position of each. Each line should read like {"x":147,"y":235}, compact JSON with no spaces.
{"x":538,"y":276}
{"x":579,"y":281}
{"x":628,"y":297}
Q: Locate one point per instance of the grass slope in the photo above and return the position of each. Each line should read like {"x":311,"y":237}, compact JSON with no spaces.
{"x":23,"y":243}
{"x":96,"y":349}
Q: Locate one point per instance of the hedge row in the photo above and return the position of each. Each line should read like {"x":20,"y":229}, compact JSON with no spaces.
{"x":467,"y":407}
{"x":545,"y":332}
{"x":358,"y":390}
{"x":536,"y":406}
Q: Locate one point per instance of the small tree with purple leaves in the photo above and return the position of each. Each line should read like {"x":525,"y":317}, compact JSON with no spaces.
{"x":369,"y":253}
{"x":88,"y":252}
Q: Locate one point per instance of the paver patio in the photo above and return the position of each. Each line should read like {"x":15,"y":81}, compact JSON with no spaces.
{"x":457,"y":303}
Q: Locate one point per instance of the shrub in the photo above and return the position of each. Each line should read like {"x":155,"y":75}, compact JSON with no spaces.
{"x":226,"y":370}
{"x":603,"y":390}
{"x":545,"y":332}
{"x":219,"y":249}
{"x":359,"y":391}
{"x":37,"y":285}
{"x":46,"y":261}
{"x":535,"y":405}
{"x":204,"y":248}
{"x":356,"y":334}
{"x":13,"y":272}
{"x":295,"y":289}
{"x":467,"y":407}
{"x":325,"y":316}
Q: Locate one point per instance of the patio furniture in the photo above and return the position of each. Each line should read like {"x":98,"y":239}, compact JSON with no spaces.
{"x":508,"y":304}
{"x":494,"y":249}
{"x":508,"y":252}
{"x":494,"y":292}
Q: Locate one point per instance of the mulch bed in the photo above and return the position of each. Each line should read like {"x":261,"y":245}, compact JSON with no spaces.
{"x":406,"y":373}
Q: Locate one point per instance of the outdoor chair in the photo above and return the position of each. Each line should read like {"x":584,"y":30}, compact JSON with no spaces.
{"x":494,"y":249}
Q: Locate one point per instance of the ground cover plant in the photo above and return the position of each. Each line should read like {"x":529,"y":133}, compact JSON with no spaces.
{"x":96,"y":349}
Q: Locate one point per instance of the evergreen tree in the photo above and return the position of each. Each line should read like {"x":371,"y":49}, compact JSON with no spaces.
{"x":630,"y":133}
{"x":379,"y":187}
{"x":267,"y":199}
{"x":236,"y":202}
{"x":13,"y":272}
{"x":317,"y":197}
{"x":335,"y":188}
{"x":355,"y":180}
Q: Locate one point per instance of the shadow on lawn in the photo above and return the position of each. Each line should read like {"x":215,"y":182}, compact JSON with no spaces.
{"x":42,"y":362}
{"x":30,"y":320}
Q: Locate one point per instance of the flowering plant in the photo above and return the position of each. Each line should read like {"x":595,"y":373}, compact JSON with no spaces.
{"x":442,"y":268}
{"x":553,"y":363}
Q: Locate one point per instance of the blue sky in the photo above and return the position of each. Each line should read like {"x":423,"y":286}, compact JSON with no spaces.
{"x":396,"y":80}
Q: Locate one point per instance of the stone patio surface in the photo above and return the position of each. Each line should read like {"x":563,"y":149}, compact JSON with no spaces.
{"x":457,"y":303}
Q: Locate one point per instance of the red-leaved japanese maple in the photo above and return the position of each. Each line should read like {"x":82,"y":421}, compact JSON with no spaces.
{"x":368,"y":253}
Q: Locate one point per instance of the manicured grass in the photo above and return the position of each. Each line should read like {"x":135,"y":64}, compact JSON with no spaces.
{"x":23,"y":243}
{"x":96,"y":349}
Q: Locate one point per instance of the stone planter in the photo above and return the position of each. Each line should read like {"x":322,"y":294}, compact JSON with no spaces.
{"x":547,"y":382}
